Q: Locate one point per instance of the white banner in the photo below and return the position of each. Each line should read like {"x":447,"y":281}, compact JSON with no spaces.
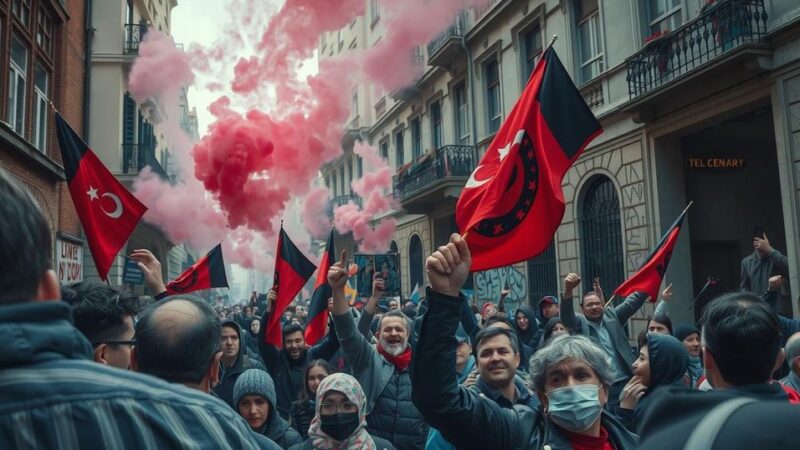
{"x":69,"y":261}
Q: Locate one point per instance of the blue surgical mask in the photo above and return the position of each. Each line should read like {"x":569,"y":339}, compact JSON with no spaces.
{"x":575,"y":408}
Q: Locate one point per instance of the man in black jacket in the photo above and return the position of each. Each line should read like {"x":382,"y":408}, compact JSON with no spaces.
{"x":571,"y":377}
{"x":287,"y":365}
{"x":234,"y":361}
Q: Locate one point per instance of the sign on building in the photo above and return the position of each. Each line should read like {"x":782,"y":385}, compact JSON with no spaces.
{"x":131,"y":273}
{"x":69,"y":261}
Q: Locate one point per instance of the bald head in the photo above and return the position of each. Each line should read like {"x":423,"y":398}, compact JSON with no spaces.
{"x":177,"y":340}
{"x":792,"y":350}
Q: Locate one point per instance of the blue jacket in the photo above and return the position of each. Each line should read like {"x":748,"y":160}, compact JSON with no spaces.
{"x":56,"y":397}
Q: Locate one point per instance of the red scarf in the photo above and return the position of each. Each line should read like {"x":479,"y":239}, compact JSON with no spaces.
{"x":400,"y":361}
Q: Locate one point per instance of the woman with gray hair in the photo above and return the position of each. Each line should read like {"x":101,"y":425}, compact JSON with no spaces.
{"x":571,"y":377}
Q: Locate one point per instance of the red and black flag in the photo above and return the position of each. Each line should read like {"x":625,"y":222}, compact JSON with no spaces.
{"x":292,"y":270}
{"x":208,"y":272}
{"x":512,"y":203}
{"x":649,"y":277}
{"x":108,"y":211}
{"x":318,"y":307}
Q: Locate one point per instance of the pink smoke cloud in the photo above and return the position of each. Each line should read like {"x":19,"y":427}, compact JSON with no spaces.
{"x":161,"y":68}
{"x":315,"y":212}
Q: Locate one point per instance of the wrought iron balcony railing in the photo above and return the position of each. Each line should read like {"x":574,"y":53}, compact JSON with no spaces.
{"x":136,"y":157}
{"x":456,"y":30}
{"x":721,"y":28}
{"x":445,"y":162}
{"x":134,"y":35}
{"x":341,"y":200}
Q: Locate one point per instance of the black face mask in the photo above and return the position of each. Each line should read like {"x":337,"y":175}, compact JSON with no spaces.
{"x":339,"y":426}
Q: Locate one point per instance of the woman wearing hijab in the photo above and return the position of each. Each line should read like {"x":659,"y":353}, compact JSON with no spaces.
{"x":341,"y":419}
{"x":553,"y":327}
{"x":662,"y":361}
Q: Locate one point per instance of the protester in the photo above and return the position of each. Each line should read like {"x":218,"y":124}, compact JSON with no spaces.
{"x":253,"y":332}
{"x":382,"y":369}
{"x":234,"y":361}
{"x":792,"y":350}
{"x":340,"y":418}
{"x":498,"y":359}
{"x":254,"y":397}
{"x":553,"y":327}
{"x":303,"y":409}
{"x":662,"y":362}
{"x":689,"y":335}
{"x":105,"y":316}
{"x":788,"y":326}
{"x":762,"y":264}
{"x":606,"y":325}
{"x":741,"y":348}
{"x":287,"y":365}
{"x":571,"y":377}
{"x":525,"y":351}
{"x":526,"y":326}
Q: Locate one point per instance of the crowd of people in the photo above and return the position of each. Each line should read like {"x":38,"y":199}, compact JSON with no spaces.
{"x":89,"y":365}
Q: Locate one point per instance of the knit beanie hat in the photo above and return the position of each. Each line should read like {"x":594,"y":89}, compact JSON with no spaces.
{"x":683,"y":331}
{"x":254,"y":382}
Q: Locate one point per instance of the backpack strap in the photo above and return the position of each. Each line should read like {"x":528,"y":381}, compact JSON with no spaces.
{"x":707,"y":430}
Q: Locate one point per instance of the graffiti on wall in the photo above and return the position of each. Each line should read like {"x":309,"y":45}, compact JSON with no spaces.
{"x":489,"y":284}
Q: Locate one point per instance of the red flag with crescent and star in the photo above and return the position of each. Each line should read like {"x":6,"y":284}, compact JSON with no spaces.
{"x":206,"y":273}
{"x":318,"y":307}
{"x":650,"y":275}
{"x":512,"y":204}
{"x":108,"y":211}
{"x":292,"y":270}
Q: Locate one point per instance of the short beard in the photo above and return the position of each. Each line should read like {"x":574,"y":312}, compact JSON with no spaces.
{"x":393,"y":349}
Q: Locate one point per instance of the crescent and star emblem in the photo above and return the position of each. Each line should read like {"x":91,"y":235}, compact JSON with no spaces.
{"x":117,"y":212}
{"x":472,"y":182}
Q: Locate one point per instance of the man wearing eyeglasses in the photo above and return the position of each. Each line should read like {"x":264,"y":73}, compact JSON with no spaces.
{"x":105,"y":316}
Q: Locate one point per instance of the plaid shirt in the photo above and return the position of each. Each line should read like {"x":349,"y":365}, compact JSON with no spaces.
{"x":55,"y":397}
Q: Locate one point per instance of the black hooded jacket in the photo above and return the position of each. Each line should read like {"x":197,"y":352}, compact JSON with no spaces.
{"x":668,"y":361}
{"x":529,"y":336}
{"x":277,"y":429}
{"x":229,"y":375}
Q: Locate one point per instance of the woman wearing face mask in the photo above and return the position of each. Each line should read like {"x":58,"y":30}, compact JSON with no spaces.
{"x":303,"y":409}
{"x":341,"y":419}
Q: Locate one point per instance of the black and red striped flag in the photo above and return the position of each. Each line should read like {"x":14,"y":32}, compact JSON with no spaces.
{"x":292,"y":270}
{"x":208,"y":272}
{"x":108,"y":211}
{"x":512,"y":203}
{"x":318,"y":307}
{"x":650,"y":275}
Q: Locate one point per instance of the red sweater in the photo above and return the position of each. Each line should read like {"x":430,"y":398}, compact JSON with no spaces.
{"x":583,"y":442}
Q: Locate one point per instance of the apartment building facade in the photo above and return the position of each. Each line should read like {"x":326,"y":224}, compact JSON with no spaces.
{"x":699,"y":101}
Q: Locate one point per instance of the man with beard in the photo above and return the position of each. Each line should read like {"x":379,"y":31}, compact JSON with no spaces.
{"x":381,"y":369}
{"x":287,"y":365}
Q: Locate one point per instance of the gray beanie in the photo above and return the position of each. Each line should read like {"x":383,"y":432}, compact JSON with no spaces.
{"x":254,"y":381}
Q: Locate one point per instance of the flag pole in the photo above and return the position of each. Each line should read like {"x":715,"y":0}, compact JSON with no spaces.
{"x":609,"y":301}
{"x":552,"y":41}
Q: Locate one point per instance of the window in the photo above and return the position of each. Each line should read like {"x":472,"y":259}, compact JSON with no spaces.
{"x":41,"y":100}
{"x":415,"y":262}
{"x":416,"y":138}
{"x":22,"y":10}
{"x":374,"y":11}
{"x":532,"y":51}
{"x":354,"y":106}
{"x":342,"y":181}
{"x":16,"y":85}
{"x":359,"y":166}
{"x":398,"y":145}
{"x":601,"y":234}
{"x":491,"y":70}
{"x":543,"y":274}
{"x":385,"y":150}
{"x":589,"y":39}
{"x":44,"y":31}
{"x":334,"y":185}
{"x":461,"y":107}
{"x":436,"y":125}
{"x":663,"y":15}
{"x":350,"y":173}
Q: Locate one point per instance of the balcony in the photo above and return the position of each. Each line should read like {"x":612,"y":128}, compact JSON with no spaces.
{"x":434,"y":178}
{"x":407,"y":93}
{"x":136,"y":157}
{"x":729,"y":34}
{"x":134,"y":35}
{"x":446,"y":48}
{"x":341,"y":200}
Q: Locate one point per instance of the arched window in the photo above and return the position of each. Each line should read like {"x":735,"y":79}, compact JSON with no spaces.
{"x":543,"y":274}
{"x":415,"y":262}
{"x":601,"y":236}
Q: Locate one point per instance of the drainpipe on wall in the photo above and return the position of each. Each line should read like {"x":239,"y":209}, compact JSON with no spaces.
{"x":87,"y":67}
